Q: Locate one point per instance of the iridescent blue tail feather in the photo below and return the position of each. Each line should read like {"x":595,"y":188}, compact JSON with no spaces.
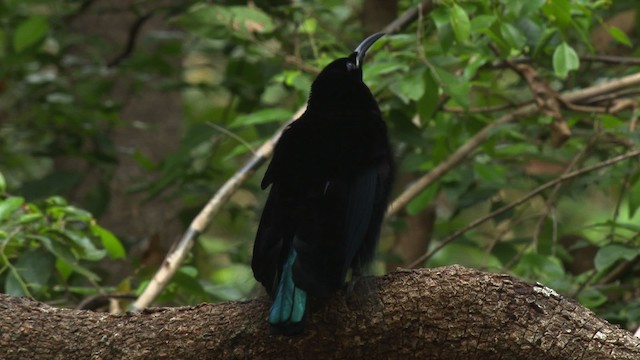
{"x":287,"y":311}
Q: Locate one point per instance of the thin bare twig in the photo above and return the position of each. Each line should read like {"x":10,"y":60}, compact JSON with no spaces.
{"x":131,"y":39}
{"x":234,"y":136}
{"x":548,"y":205}
{"x":552,"y":197}
{"x":524,"y":199}
{"x":605,"y":59}
{"x":408,"y":17}
{"x":611,"y":59}
{"x":485,"y":109}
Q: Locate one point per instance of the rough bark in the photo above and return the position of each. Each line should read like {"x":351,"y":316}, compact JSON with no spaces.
{"x":444,"y":313}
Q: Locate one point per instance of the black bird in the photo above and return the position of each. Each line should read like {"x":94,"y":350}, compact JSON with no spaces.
{"x":330,"y":179}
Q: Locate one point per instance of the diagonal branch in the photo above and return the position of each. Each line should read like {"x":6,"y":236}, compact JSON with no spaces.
{"x":526,"y":110}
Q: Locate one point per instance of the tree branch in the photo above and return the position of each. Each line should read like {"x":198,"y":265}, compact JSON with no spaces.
{"x":526,"y":110}
{"x":134,"y":30}
{"x":444,"y":313}
{"x":604,"y":59}
{"x":536,"y":191}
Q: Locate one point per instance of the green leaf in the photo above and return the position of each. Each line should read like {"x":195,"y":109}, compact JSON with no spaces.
{"x":64,"y":269}
{"x":619,"y":35}
{"x":558,"y":11}
{"x":238,"y":21}
{"x":29,"y":218}
{"x":251,"y":19}
{"x":490,"y":174}
{"x":56,"y":201}
{"x":422,"y":200}
{"x":530,"y":7}
{"x":445,"y":34}
{"x":610,"y":254}
{"x":460,"y":23}
{"x":35,"y":267}
{"x":531,"y":31}
{"x":186,"y":279}
{"x":215,"y":245}
{"x":261,"y":117}
{"x":15,"y":286}
{"x":482,"y":23}
{"x":3,"y":184}
{"x":381,"y":68}
{"x":428,"y":103}
{"x":565,"y":59}
{"x":110,"y":242}
{"x":410,"y":87}
{"x":143,"y":161}
{"x":457,"y":87}
{"x":513,"y":36}
{"x":516,"y":149}
{"x":592,"y":298}
{"x":634,"y":198}
{"x":72,"y":213}
{"x":472,"y":67}
{"x":610,"y":122}
{"x":30,"y":32}
{"x":309,"y":25}
{"x":65,"y":257}
{"x":190,"y":271}
{"x":465,"y":255}
{"x":9,"y":205}
{"x":539,"y":267}
{"x":232,"y":282}
{"x":76,"y":267}
{"x":30,"y":273}
{"x":84,"y":245}
{"x":3,"y":41}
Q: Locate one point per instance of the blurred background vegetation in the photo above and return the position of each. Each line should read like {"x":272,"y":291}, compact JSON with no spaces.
{"x":131,"y":114}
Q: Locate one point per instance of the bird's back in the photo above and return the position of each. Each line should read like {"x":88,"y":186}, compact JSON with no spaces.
{"x":330,"y":178}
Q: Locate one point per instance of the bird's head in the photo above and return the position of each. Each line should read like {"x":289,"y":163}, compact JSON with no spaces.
{"x":341,"y":80}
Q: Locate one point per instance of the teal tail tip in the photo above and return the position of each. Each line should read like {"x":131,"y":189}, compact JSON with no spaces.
{"x":286,"y":316}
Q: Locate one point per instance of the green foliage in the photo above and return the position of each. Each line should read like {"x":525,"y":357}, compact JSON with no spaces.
{"x":244,"y":69}
{"x":565,"y":59}
{"x":29,"y":32}
{"x":50,"y":243}
{"x":610,"y":254}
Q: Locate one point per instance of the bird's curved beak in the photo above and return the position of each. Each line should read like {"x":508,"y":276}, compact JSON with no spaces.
{"x":361,"y":50}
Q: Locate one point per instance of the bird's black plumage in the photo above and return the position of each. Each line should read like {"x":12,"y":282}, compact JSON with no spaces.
{"x":330,"y":178}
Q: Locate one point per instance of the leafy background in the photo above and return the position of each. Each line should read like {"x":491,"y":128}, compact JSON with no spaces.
{"x":131,"y":115}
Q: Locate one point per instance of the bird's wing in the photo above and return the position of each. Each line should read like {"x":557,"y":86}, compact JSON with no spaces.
{"x":333,"y":230}
{"x":275,"y":231}
{"x":270,"y":241}
{"x":287,"y":153}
